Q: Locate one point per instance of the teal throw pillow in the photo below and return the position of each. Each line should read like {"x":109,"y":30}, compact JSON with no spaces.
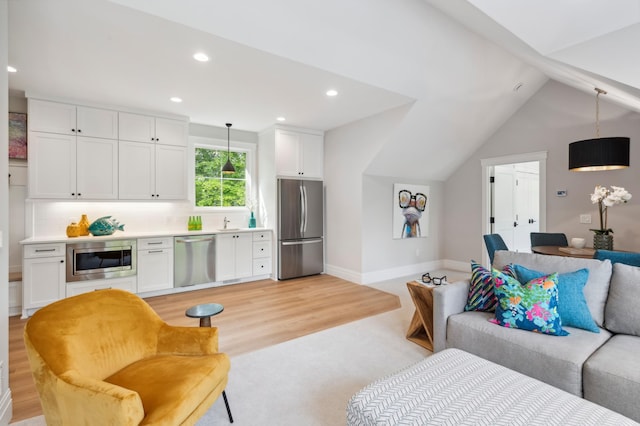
{"x":481,"y":296}
{"x":572,"y":305}
{"x":532,"y":306}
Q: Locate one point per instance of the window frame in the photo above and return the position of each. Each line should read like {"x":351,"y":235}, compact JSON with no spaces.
{"x":219,"y":144}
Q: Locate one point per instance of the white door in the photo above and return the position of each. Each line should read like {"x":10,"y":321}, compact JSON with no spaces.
{"x":516,"y":204}
{"x":503,"y":206}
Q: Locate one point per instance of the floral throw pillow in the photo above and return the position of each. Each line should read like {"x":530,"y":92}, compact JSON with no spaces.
{"x":481,"y":296}
{"x":532,"y":306}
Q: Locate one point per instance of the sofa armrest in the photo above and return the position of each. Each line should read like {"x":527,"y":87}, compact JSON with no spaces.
{"x":187,"y":340}
{"x":448,"y":300}
{"x":83,"y":400}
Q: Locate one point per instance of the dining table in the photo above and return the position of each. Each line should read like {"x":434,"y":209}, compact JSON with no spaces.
{"x":585,"y":253}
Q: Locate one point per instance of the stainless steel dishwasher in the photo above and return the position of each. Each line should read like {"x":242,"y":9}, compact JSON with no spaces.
{"x":194,"y":260}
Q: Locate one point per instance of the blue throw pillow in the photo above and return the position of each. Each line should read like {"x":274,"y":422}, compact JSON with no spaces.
{"x":628,"y":258}
{"x":532,"y":306}
{"x":572,"y":305}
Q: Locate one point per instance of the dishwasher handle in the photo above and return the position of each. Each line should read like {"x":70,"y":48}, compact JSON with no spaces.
{"x":200,"y":240}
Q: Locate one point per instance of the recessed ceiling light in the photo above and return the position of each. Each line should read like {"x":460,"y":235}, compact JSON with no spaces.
{"x":176,"y":99}
{"x":281,"y":119}
{"x":200,"y":57}
{"x":11,"y":69}
{"x":332,"y":92}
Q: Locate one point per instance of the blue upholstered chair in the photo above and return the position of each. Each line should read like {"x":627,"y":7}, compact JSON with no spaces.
{"x":494,"y":242}
{"x":625,"y":257}
{"x":548,"y":239}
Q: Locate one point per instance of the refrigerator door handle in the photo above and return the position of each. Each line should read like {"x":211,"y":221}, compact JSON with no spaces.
{"x":302,"y":212}
{"x":295,"y":243}
{"x":304,"y":191}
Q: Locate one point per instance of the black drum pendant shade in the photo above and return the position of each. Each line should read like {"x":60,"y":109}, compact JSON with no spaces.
{"x":599,"y":154}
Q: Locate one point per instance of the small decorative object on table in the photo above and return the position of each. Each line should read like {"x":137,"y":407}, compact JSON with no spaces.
{"x":252,"y":221}
{"x":105,"y":226}
{"x":606,"y":198}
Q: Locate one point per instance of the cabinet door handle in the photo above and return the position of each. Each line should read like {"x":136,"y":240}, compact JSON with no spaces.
{"x":154,"y":243}
{"x":73,"y":130}
{"x":44,"y":250}
{"x":79,"y":130}
{"x":62,"y":261}
{"x":156,"y":251}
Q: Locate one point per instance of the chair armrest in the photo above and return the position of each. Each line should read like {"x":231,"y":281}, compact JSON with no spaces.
{"x":187,"y":340}
{"x":448,"y":300}
{"x":83,"y":400}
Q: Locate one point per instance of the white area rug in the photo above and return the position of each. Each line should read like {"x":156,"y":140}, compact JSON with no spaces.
{"x":308,"y":381}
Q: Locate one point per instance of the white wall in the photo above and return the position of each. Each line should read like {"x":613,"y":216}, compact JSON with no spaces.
{"x":5,"y":394}
{"x":554,"y":117}
{"x":358,"y":231}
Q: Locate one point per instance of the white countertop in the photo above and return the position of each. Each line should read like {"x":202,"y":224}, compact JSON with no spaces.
{"x":124,"y":235}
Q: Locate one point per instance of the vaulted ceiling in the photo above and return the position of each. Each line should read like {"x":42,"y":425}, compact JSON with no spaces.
{"x":461,"y":68}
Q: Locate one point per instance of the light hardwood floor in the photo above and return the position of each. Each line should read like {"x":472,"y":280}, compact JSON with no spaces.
{"x":256,"y":315}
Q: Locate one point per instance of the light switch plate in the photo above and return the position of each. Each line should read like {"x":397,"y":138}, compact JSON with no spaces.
{"x":585,"y":218}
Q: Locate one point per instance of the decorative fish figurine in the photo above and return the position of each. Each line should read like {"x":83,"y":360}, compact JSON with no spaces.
{"x":105,"y":226}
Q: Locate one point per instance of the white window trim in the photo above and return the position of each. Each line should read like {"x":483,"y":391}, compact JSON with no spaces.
{"x":221,"y":144}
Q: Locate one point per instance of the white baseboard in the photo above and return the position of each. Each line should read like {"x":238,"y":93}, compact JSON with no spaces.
{"x":401,"y":271}
{"x":456,"y":265}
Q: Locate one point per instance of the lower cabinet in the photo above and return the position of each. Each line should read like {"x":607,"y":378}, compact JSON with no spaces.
{"x":262,"y":259}
{"x":234,"y":256}
{"x":155,"y":264}
{"x":126,"y":283}
{"x":43,"y":276}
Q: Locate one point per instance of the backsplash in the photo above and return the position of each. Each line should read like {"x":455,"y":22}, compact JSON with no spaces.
{"x":50,"y":219}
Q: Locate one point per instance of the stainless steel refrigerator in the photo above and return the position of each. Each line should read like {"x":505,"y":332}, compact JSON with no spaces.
{"x":300,"y":228}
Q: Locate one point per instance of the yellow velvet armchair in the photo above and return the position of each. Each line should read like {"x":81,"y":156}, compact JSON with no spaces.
{"x":106,"y":358}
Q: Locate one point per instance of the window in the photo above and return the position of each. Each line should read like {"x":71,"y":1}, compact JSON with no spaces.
{"x":212,"y":187}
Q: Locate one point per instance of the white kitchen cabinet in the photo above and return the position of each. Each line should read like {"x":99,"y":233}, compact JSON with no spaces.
{"x":152,"y":171}
{"x":155,"y":264}
{"x":262,"y":247}
{"x":299,"y":154}
{"x":67,"y":119}
{"x":43,"y":276}
{"x":234,"y":256}
{"x":146,"y":128}
{"x":125,"y":283}
{"x":70,"y":167}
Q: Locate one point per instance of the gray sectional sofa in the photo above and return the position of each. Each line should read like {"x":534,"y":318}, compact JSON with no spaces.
{"x":602,"y":367}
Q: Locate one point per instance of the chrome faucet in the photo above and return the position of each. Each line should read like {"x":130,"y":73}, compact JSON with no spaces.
{"x":225,"y":222}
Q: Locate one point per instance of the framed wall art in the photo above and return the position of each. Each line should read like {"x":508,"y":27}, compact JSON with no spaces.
{"x":18,"y":135}
{"x":410,"y":211}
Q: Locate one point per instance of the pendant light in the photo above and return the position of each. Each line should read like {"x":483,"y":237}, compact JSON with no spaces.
{"x":599,"y":153}
{"x":228,"y":167}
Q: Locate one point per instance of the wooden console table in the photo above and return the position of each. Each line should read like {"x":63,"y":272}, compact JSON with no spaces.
{"x":421,"y":327}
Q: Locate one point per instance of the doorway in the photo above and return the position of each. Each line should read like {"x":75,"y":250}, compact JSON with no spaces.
{"x":514,"y":204}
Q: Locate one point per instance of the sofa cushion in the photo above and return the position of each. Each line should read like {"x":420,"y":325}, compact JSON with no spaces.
{"x":531,"y":306}
{"x":622,"y":314}
{"x":628,"y":258}
{"x":596,"y":289}
{"x":572,"y":306}
{"x":552,"y":360}
{"x":612,"y":376}
{"x":481,"y":296}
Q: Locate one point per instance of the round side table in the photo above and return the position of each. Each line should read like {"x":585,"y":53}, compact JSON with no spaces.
{"x":204,"y":312}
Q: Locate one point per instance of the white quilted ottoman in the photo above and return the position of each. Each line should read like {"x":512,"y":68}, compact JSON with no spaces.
{"x":454,"y":387}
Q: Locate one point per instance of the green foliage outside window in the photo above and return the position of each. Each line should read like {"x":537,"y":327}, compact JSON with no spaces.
{"x":214,"y":188}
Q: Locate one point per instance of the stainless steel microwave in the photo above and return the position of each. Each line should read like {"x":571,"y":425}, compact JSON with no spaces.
{"x":101,"y":259}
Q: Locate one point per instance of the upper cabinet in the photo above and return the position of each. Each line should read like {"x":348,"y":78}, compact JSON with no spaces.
{"x":80,"y":152}
{"x":299,"y":154}
{"x":145,"y":128}
{"x":66,"y":119}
